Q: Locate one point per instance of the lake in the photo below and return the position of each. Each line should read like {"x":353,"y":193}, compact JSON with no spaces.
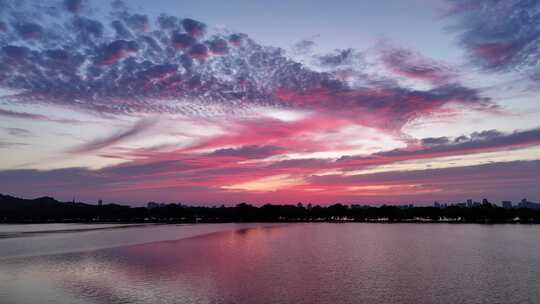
{"x":271,"y":263}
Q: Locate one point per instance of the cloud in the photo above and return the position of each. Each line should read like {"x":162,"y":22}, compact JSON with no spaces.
{"x":406,"y":63}
{"x":183,"y":40}
{"x":31,"y":116}
{"x":10,"y":144}
{"x":128,"y":63}
{"x":116,"y":51}
{"x":505,"y":180}
{"x":86,"y":30}
{"x":193,"y":27}
{"x":73,"y":6}
{"x":248,"y":152}
{"x":18,"y":132}
{"x":499,"y":35}
{"x":11,"y":51}
{"x":219,"y":46}
{"x":145,"y":168}
{"x":70,"y":180}
{"x":199,"y":51}
{"x":304,"y":46}
{"x":28,"y":30}
{"x":339,"y":58}
{"x":137,"y":22}
{"x":123,"y":62}
{"x":24,"y":115}
{"x":168,"y":22}
{"x":435,"y":141}
{"x":386,"y":107}
{"x":477,"y":142}
{"x":102,"y":143}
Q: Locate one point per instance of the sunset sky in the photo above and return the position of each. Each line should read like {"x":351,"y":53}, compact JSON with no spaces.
{"x":210,"y":102}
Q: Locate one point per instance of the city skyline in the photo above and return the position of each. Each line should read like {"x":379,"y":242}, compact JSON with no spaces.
{"x":201,"y":102}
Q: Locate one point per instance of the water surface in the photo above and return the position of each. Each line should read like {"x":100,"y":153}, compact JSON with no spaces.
{"x":296,"y":263}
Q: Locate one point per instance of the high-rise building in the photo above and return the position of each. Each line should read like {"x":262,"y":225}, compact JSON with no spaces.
{"x":152,"y":205}
{"x":526,"y":204}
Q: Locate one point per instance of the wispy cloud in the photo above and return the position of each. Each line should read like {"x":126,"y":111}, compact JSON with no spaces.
{"x":101,"y":143}
{"x":32,"y":116}
{"x":24,"y":115}
{"x":10,"y":144}
{"x":18,"y":132}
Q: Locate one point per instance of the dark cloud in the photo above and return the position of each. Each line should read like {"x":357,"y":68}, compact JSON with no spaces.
{"x":475,"y":143}
{"x":121,"y":30}
{"x":491,"y":134}
{"x":74,"y":179}
{"x":28,"y":30}
{"x":88,"y":28}
{"x":168,"y":22}
{"x":488,"y":138}
{"x":146,"y":168}
{"x":117,"y":50}
{"x":58,"y":54}
{"x":159,"y":71}
{"x":73,"y":6}
{"x":499,"y":35}
{"x":137,"y":22}
{"x":249,"y":152}
{"x":435,"y":141}
{"x":236,"y":39}
{"x":219,"y":46}
{"x":339,"y":58}
{"x":14,"y":51}
{"x":194,"y":27}
{"x":119,"y":5}
{"x":304,"y":46}
{"x":101,"y":143}
{"x":406,"y":63}
{"x":199,"y":51}
{"x":182,"y":40}
{"x":302,"y":163}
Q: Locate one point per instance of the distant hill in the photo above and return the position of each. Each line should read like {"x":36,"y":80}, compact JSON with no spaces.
{"x":47,"y":209}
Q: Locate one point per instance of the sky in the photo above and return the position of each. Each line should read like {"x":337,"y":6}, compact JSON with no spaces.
{"x":207,"y":102}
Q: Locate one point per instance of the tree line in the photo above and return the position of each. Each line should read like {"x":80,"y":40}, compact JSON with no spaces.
{"x":46,"y":209}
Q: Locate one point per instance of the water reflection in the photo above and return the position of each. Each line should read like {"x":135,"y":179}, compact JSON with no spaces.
{"x":305,"y":263}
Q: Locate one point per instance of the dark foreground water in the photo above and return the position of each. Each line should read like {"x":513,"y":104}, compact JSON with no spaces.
{"x":297,"y":263}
